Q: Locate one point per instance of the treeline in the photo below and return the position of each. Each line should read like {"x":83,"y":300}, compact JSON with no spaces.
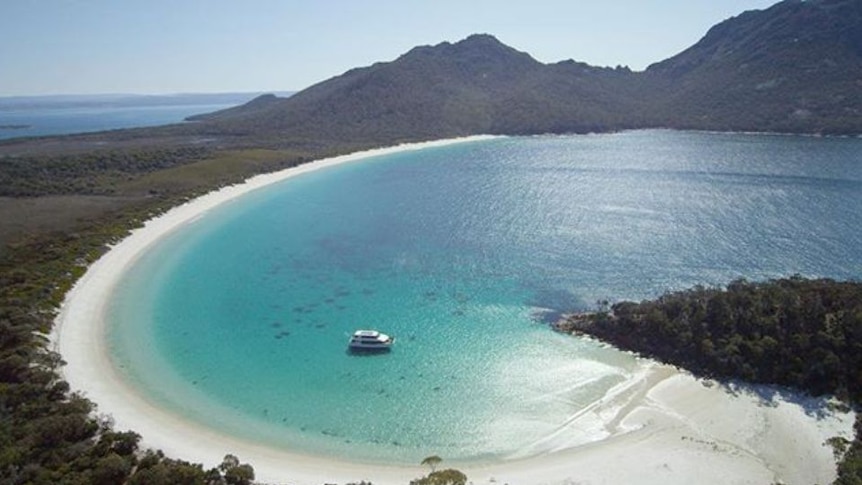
{"x":90,"y":173}
{"x":48,"y":434}
{"x":795,"y":332}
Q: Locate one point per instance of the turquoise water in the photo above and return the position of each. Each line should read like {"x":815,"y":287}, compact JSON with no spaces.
{"x":463,"y":253}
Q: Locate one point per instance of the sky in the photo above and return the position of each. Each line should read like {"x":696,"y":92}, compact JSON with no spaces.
{"x":199,"y":46}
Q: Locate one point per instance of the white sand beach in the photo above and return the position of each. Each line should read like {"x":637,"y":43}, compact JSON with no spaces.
{"x":661,"y":426}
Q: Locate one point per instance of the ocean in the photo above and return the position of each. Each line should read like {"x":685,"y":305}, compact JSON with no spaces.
{"x":465,"y":253}
{"x":25,"y":116}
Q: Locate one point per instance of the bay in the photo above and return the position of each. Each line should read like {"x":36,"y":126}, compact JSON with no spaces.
{"x":464,"y":253}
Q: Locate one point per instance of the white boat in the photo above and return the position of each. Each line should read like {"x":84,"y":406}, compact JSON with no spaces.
{"x":370,"y":340}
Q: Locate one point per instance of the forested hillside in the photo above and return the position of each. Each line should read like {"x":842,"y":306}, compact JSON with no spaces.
{"x":794,"y":332}
{"x":795,"y":67}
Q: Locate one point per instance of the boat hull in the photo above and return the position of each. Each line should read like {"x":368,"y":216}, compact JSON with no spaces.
{"x":369,"y":341}
{"x":369,"y":350}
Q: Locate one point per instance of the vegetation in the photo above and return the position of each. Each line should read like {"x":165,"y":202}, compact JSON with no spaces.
{"x":439,"y":477}
{"x":141,"y":171}
{"x":86,"y":173}
{"x":795,"y":332}
{"x":738,"y":76}
{"x":23,"y":217}
{"x":432,"y":461}
{"x":449,"y":476}
{"x":850,"y":467}
{"x":442,"y":477}
{"x":792,"y":68}
{"x":48,"y":434}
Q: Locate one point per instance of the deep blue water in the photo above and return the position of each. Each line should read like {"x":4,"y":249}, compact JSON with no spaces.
{"x":62,"y":121}
{"x":62,"y":115}
{"x":463,"y":252}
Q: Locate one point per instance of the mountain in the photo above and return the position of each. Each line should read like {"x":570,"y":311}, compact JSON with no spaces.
{"x":477,"y":85}
{"x":794,"y":67}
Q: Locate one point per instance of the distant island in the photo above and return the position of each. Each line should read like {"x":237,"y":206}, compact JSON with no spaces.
{"x":15,"y":127}
{"x":795,"y":67}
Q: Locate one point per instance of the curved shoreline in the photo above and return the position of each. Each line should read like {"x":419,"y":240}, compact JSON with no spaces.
{"x":660,"y":426}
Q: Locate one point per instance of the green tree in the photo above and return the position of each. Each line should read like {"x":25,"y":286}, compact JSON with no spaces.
{"x":442,"y":477}
{"x":229,"y":461}
{"x":236,"y":473}
{"x":432,"y":461}
{"x":239,"y":475}
{"x":111,"y":469}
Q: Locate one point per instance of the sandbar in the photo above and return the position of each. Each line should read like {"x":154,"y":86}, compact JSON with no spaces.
{"x":660,"y":426}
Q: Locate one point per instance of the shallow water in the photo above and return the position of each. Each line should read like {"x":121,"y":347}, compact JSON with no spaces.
{"x":463,"y":252}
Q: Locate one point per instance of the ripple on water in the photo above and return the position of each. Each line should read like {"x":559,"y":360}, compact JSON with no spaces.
{"x":458,"y":252}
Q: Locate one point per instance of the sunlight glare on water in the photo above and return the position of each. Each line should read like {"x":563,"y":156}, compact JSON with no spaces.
{"x":463,"y":253}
